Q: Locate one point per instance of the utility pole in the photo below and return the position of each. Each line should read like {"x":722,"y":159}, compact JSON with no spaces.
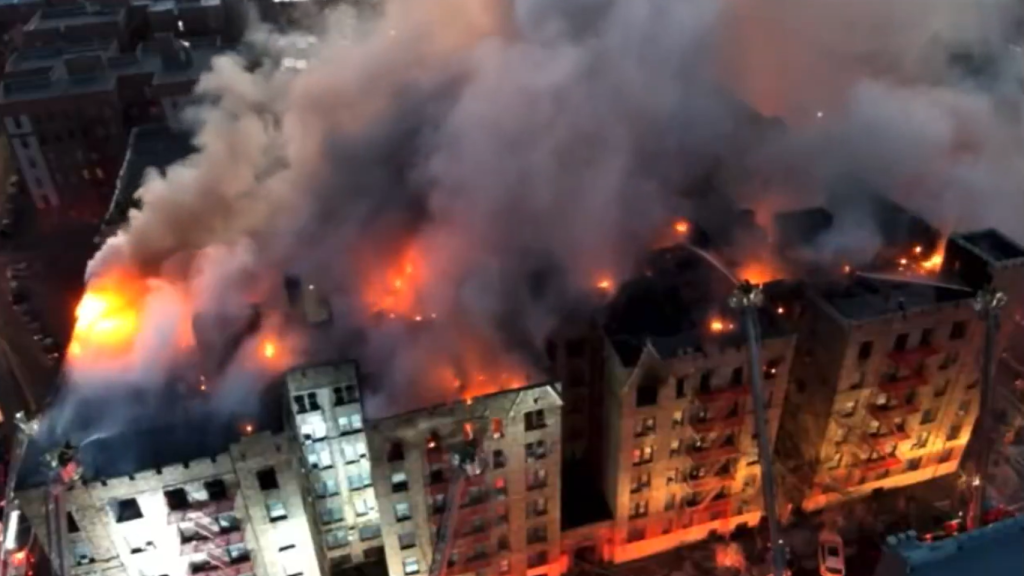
{"x":748,"y":298}
{"x":988,"y":303}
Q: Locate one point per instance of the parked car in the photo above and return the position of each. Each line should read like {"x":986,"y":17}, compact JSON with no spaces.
{"x":831,"y":559}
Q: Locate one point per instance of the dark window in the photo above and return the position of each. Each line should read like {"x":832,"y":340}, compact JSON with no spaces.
{"x":680,"y":387}
{"x":576,"y":348}
{"x":216,"y":489}
{"x":127,"y":510}
{"x":705,"y":382}
{"x":736,"y":378}
{"x":177,"y":499}
{"x":864,"y":352}
{"x":926,"y":337}
{"x":396,"y":453}
{"x":535,"y":420}
{"x":267,"y":479}
{"x":72,"y":524}
{"x":901,"y":342}
{"x":958,"y":331}
{"x":300,"y":404}
{"x":498,"y":459}
{"x":928,"y":416}
{"x":647,"y":390}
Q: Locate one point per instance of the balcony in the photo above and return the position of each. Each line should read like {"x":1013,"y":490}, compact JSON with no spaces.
{"x":712,"y":454}
{"x":905,"y":384}
{"x":709,"y":482}
{"x":891,"y":412}
{"x":710,"y":424}
{"x":240,"y":569}
{"x":206,"y":544}
{"x":728,"y":393}
{"x":914,"y":356}
{"x":201,"y":510}
{"x":883,"y":464}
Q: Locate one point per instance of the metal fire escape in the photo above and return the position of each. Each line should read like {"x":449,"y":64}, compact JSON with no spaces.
{"x":466,"y":463}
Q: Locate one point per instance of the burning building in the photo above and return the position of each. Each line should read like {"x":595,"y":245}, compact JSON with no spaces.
{"x":189,"y":499}
{"x":885,"y":383}
{"x":681,"y":459}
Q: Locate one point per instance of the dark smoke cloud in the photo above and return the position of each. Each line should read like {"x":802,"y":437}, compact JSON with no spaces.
{"x":530,"y":148}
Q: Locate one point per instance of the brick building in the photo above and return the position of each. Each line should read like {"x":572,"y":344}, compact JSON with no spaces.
{"x":150,"y":504}
{"x":67,"y":110}
{"x":680,"y":457}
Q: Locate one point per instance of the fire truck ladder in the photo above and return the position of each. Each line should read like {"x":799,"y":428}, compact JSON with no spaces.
{"x":25,"y":430}
{"x":464,"y":466}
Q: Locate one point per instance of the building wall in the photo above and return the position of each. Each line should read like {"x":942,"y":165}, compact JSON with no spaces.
{"x":687,"y":461}
{"x":345,"y":515}
{"x":236,"y":534}
{"x":509,"y":518}
{"x":897,"y":417}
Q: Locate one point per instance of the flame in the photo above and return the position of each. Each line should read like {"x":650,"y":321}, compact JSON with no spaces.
{"x":395,"y":289}
{"x":716,"y":325}
{"x":605,"y":284}
{"x":758,"y":272}
{"x":934,"y":262}
{"x":682,"y":227}
{"x":269,"y":349}
{"x":107,"y":317}
{"x":248,"y":428}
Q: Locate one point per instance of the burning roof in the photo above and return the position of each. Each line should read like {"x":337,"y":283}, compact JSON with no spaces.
{"x":679,"y":304}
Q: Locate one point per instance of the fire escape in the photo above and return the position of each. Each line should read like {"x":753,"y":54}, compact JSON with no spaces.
{"x":454,"y":476}
{"x":711,"y":465}
{"x":209,"y":528}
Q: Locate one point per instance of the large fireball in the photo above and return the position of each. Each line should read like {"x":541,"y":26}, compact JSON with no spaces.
{"x":107,"y":318}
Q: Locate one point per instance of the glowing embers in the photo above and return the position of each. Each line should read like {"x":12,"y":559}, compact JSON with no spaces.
{"x":720,"y":325}
{"x":107,"y":317}
{"x":921,"y":262}
{"x":758,"y":272}
{"x":605,"y":284}
{"x":268,"y":349}
{"x":682,"y":227}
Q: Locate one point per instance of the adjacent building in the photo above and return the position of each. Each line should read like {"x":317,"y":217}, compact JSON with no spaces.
{"x":681,"y":457}
{"x":993,"y":549}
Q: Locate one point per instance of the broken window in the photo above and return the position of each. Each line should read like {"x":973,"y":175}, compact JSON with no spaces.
{"x":497,"y":429}
{"x":901,"y":342}
{"x":536,"y":451}
{"x":705,"y":382}
{"x":216,"y":490}
{"x":864,"y":351}
{"x":958,"y":331}
{"x":534,"y":420}
{"x":680,"y":387}
{"x":176,"y":498}
{"x":267,"y":479}
{"x":127,"y":510}
{"x":396,"y":453}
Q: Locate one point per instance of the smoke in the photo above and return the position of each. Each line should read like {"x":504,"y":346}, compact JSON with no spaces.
{"x":507,"y":155}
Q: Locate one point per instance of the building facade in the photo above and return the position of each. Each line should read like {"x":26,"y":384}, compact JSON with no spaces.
{"x":328,"y":419}
{"x":235,"y":514}
{"x":682,"y":458}
{"x":504,"y":519}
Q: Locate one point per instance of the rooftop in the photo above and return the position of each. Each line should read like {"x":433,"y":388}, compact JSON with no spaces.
{"x":82,"y":68}
{"x":865,"y":297}
{"x":377,"y":407}
{"x":169,"y":428}
{"x":671,"y":306}
{"x":992,"y":245}
{"x":994,"y":549}
{"x":149,"y":147}
{"x":60,"y":16}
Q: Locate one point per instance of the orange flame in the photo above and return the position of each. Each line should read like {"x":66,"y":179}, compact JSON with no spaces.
{"x":758,"y":272}
{"x":269,"y":349}
{"x":395,"y":290}
{"x":682,"y":227}
{"x":107,"y":316}
{"x":605,"y":284}
{"x":717,"y":325}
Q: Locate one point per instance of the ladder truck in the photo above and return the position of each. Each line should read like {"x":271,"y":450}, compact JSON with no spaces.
{"x":63,"y":470}
{"x":466,"y":463}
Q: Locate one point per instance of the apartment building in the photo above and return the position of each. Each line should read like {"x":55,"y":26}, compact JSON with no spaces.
{"x":328,"y":419}
{"x":76,"y":24}
{"x":172,"y":512}
{"x":493,"y":463}
{"x":681,"y":452}
{"x":67,"y":110}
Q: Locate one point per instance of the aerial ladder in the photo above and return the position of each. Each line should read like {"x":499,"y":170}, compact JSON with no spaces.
{"x":63,"y":470}
{"x":466,"y":463}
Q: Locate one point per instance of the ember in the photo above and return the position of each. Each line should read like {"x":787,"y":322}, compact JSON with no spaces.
{"x":682,"y":227}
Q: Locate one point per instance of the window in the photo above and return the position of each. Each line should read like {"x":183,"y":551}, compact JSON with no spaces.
{"x":362,"y":505}
{"x":941,"y":388}
{"x":963,"y":408}
{"x":949,"y":360}
{"x":396,"y":453}
{"x":771,"y":369}
{"x":399,"y":482}
{"x":406,"y":540}
{"x":677,"y":419}
{"x":958,"y":331}
{"x":536,"y":451}
{"x":497,"y":429}
{"x":330,"y":513}
{"x":922,"y":440}
{"x":670,"y":502}
{"x":81,"y":553}
{"x":350,"y":423}
{"x":411,"y":565}
{"x":954,"y":432}
{"x":535,"y":420}
{"x":318,"y":456}
{"x":644,"y":455}
{"x":537,"y":534}
{"x":369,"y":532}
{"x":127,"y":510}
{"x":402,"y":511}
{"x":647,"y":390}
{"x":504,"y":566}
{"x":538,"y":478}
{"x":913,"y":464}
{"x":901,"y":342}
{"x":176,"y":498}
{"x":864,"y":352}
{"x":705,"y":382}
{"x":736,"y":376}
{"x":946,"y":456}
{"x":336,"y":539}
{"x":72,"y":524}
{"x":680,"y":387}
{"x":640,"y":481}
{"x":498,"y":459}
{"x":267,"y":479}
{"x":300,"y":404}
{"x":276,"y":510}
{"x":928,"y":416}
{"x":537,"y":559}
{"x":638,"y":509}
{"x":926,"y":337}
{"x":537,"y":507}
{"x":848,"y":409}
{"x":327,"y":487}
{"x":675,"y":448}
{"x":645,"y":427}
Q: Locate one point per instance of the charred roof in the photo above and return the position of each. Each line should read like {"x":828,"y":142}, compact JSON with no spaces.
{"x":992,"y":245}
{"x":865,"y":297}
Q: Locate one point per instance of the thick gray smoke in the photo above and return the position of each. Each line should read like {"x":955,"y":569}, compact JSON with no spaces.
{"x":523,"y":151}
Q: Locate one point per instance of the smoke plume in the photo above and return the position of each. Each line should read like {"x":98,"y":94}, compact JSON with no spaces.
{"x":455,"y":174}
